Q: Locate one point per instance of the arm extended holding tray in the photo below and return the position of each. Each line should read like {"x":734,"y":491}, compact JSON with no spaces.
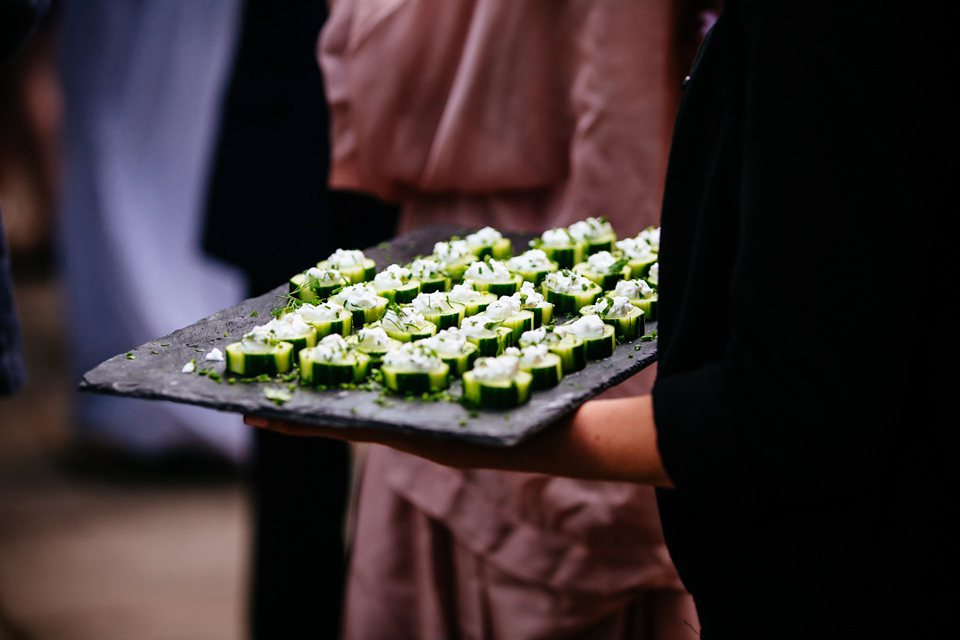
{"x":602,"y":440}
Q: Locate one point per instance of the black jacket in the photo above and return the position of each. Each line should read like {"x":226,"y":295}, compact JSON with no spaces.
{"x":807,"y":352}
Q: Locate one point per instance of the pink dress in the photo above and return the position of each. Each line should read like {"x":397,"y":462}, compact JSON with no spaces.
{"x":520,"y":114}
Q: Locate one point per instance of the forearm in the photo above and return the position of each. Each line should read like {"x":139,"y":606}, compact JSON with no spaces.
{"x":603,"y":440}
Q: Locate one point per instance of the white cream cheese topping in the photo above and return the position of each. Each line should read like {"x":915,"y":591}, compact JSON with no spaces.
{"x":633,"y":289}
{"x":436,"y":302}
{"x":654,"y":273}
{"x":477,"y":326}
{"x":358,"y":296}
{"x":500,"y":368}
{"x":602,"y":262}
{"x":392,"y":277}
{"x":448,"y":342}
{"x":620,"y":307}
{"x":556,"y":238}
{"x":566,"y":281}
{"x":324,"y":312}
{"x":408,"y":318}
{"x":483,"y":238}
{"x":326,"y":276}
{"x":589,"y":326}
{"x":528,"y":296}
{"x":635,"y":249}
{"x":373,"y":337}
{"x":492,"y":271}
{"x":289,"y":325}
{"x":346,"y":258}
{"x":451,"y":251}
{"x":532,"y":260}
{"x":425,"y":269}
{"x":503,"y":308}
{"x":413,"y":356}
{"x":589,"y":229}
{"x":331,"y":347}
{"x":651,"y":237}
{"x":463,"y":294}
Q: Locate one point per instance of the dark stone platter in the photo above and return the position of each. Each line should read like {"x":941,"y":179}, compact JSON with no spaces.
{"x":153,"y":371}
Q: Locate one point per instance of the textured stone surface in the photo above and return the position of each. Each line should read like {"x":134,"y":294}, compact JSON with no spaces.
{"x":154,"y":371}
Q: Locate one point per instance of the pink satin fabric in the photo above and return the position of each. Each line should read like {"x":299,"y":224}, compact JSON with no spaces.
{"x":524,"y":115}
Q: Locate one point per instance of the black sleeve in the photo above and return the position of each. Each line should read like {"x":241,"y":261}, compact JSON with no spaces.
{"x":837,"y":160}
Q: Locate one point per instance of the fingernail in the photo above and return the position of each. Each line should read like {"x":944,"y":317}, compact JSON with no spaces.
{"x":255,"y":421}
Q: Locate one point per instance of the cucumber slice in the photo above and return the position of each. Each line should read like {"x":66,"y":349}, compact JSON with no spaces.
{"x":401,"y":380}
{"x":518,"y":324}
{"x":640,"y":268}
{"x":602,"y":346}
{"x":605,"y":281}
{"x":603,"y":242}
{"x":564,"y":256}
{"x":569,"y":303}
{"x":365,"y":270}
{"x":498,"y":288}
{"x":247,"y":362}
{"x":628,"y":326}
{"x":595,"y":233}
{"x":351,"y":367}
{"x":403,"y":294}
{"x":445,"y":319}
{"x":572,"y":352}
{"x":374,"y":345}
{"x":443,"y":283}
{"x":473,"y":308}
{"x":569,"y":348}
{"x":460,"y":364}
{"x":411,"y":333}
{"x":542,"y":314}
{"x":343,"y":324}
{"x":458,"y":267}
{"x":497,"y":394}
{"x":647,"y":305}
{"x":547,"y":374}
{"x":501,"y":249}
{"x":491,"y":342}
{"x":308,"y":289}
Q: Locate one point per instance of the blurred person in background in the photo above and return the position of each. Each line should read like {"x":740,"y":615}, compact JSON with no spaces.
{"x":143,"y":81}
{"x":523,"y":116}
{"x":270,"y":173}
{"x":17,"y":20}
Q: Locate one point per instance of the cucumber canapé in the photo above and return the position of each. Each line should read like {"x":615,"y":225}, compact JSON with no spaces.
{"x":332,"y":362}
{"x":568,"y":291}
{"x":618,"y":312}
{"x":316,"y":284}
{"x":487,"y":334}
{"x":414,"y":368}
{"x":488,"y":242}
{"x":605,"y":269}
{"x":492,"y":276}
{"x":354,"y":266}
{"x":454,"y":349}
{"x":545,"y":367}
{"x":569,"y":348}
{"x":598,"y":337}
{"x":259,"y":352}
{"x":497,"y":383}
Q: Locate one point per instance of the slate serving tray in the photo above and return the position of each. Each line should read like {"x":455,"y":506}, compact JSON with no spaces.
{"x":153,"y":371}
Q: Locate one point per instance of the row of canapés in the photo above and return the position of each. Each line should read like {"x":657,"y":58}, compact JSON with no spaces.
{"x":468,"y":310}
